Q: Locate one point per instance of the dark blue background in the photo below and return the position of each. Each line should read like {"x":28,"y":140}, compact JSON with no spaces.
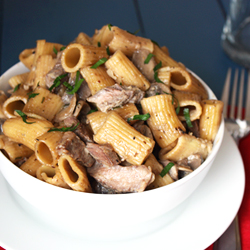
{"x":191,"y":29}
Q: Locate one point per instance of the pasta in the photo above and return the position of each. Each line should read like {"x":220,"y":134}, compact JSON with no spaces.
{"x":96,"y":116}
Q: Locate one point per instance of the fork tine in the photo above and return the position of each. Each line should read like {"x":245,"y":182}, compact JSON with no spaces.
{"x":247,"y":111}
{"x":225,"y":93}
{"x":240,"y":99}
{"x":233,"y":98}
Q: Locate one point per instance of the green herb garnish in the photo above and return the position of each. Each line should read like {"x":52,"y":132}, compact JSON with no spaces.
{"x":16,"y":87}
{"x":108,"y":52}
{"x":133,"y":33}
{"x":187,"y":117}
{"x":139,"y":117}
{"x":62,"y":48}
{"x":157,"y":66}
{"x":78,"y":84}
{"x":166,"y":169}
{"x":92,"y":111}
{"x":156,"y":73}
{"x":23,"y":116}
{"x":32,"y":95}
{"x":177,"y":110}
{"x":99,"y":44}
{"x":100,"y":62}
{"x":66,"y":84}
{"x":64,"y":129}
{"x":157,"y":78}
{"x":43,"y":100}
{"x":55,"y":50}
{"x":155,"y":43}
{"x":150,"y":55}
{"x":57,"y":81}
{"x":109,"y":26}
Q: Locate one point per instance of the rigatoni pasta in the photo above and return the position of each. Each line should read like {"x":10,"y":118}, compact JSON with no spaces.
{"x":97,"y":113}
{"x":126,"y":141}
{"x":210,"y":118}
{"x":123,"y":71}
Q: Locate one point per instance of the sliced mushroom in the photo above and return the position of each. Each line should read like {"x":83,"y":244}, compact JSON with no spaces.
{"x":147,"y":69}
{"x":183,"y":171}
{"x":195,"y":160}
{"x":158,"y":89}
{"x":67,"y":111}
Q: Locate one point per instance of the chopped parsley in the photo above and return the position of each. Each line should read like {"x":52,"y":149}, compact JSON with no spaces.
{"x":157,"y":78}
{"x":150,"y":55}
{"x":92,"y":111}
{"x":23,"y":116}
{"x":108,"y":52}
{"x":177,"y":110}
{"x":78,"y":83}
{"x":158,"y":66}
{"x":100,"y":62}
{"x":64,"y":129}
{"x":32,"y":95}
{"x":57,"y":81}
{"x":155,"y":42}
{"x":139,"y":117}
{"x":166,"y":169}
{"x":16,"y":87}
{"x":61,"y":49}
{"x":187,"y":117}
{"x":109,"y":26}
{"x":55,"y":50}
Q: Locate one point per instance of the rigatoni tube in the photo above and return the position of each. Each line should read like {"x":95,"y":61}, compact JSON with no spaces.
{"x":25,"y":133}
{"x":210,"y":119}
{"x":123,"y":71}
{"x":77,"y":56}
{"x":128,"y":143}
{"x":163,"y":120}
{"x":45,"y":147}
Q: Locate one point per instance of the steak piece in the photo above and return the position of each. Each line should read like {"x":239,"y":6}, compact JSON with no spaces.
{"x":100,"y":189}
{"x":82,"y":130}
{"x":54,"y":73}
{"x":122,"y":179}
{"x":147,"y":69}
{"x":104,"y":154}
{"x":72,"y":145}
{"x":115,"y":96}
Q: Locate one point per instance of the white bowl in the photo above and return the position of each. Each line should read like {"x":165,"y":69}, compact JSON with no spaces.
{"x":98,"y":215}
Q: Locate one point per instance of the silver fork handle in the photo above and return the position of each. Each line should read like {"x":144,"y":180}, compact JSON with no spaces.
{"x":230,"y":239}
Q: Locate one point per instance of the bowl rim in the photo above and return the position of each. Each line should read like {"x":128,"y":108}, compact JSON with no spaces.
{"x":216,"y":146}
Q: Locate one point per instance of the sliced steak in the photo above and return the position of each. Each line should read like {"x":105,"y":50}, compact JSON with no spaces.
{"x":104,"y":154}
{"x":82,"y":130}
{"x":54,"y":73}
{"x":122,"y":179}
{"x":100,"y":189}
{"x":115,"y":96}
{"x":72,"y":145}
{"x":147,"y":69}
{"x":84,"y":91}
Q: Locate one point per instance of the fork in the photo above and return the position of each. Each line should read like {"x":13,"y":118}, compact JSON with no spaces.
{"x":239,"y":127}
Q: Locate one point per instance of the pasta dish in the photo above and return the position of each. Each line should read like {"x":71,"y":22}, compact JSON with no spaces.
{"x":112,"y":113}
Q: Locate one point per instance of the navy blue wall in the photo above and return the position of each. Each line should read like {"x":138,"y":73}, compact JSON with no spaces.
{"x":190,"y":29}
